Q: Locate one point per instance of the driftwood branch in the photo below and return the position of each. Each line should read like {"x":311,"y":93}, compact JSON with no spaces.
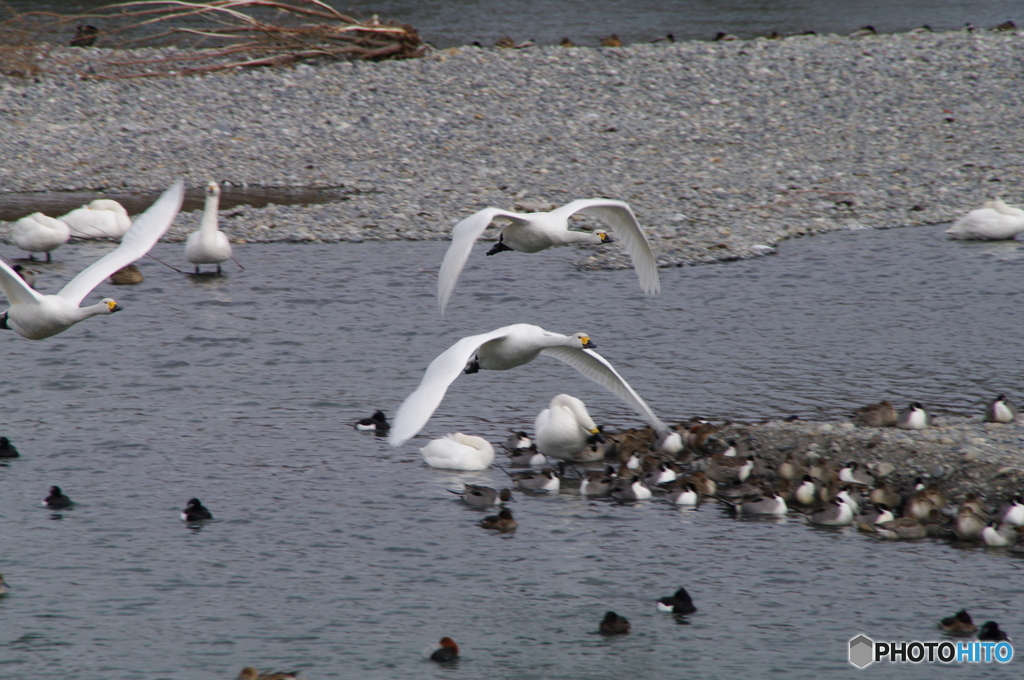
{"x":194,"y":37}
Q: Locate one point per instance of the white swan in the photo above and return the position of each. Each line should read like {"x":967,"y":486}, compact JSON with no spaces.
{"x":500,"y":350}
{"x":38,"y":233}
{"x":36,"y":316}
{"x":459,"y":452}
{"x":208,"y":245}
{"x":994,"y":221}
{"x":565,"y":429}
{"x":533,"y":232}
{"x":102,"y":218}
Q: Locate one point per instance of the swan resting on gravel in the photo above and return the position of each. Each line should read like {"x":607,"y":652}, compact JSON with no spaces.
{"x":38,"y":233}
{"x":500,"y":350}
{"x":994,"y":221}
{"x":533,"y":232}
{"x":208,"y":245}
{"x":36,"y":316}
{"x":565,"y":430}
{"x":459,"y":452}
{"x":102,"y":218}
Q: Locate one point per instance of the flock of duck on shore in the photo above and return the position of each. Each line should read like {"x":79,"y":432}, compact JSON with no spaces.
{"x":685,"y":464}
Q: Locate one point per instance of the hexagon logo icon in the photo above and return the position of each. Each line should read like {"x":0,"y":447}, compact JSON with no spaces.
{"x":862,"y":651}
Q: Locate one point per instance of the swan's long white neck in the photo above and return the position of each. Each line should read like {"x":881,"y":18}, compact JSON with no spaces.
{"x":577,"y":408}
{"x":208,"y":225}
{"x":591,"y":237}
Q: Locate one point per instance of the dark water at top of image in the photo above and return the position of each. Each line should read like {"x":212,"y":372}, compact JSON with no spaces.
{"x":460,"y":22}
{"x":335,"y":554}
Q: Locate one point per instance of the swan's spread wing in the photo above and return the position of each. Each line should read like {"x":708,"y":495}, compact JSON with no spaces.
{"x":417,"y":408}
{"x":596,"y":367}
{"x":619,"y":216}
{"x":464,"y":235}
{"x":137,"y":241}
{"x":14,"y":287}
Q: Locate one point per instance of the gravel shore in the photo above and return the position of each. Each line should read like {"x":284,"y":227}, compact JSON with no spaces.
{"x":721,"y":149}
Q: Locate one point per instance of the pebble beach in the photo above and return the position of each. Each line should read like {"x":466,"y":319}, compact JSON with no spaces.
{"x":723,"y":149}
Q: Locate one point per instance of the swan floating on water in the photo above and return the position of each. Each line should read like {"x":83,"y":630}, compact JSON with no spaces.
{"x":208,"y":245}
{"x":536,"y":231}
{"x":38,"y":233}
{"x":36,"y":316}
{"x":102,"y":218}
{"x":994,"y":221}
{"x":565,"y":430}
{"x":459,"y":452}
{"x":500,"y":350}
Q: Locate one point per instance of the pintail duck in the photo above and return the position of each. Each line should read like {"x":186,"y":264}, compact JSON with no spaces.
{"x":679,"y":603}
{"x":999,"y":535}
{"x":517,"y":440}
{"x":1012,"y":512}
{"x":960,"y":624}
{"x":837,"y":514}
{"x":773,"y":505}
{"x":854,"y":474}
{"x":662,"y":474}
{"x":483,"y":497}
{"x":7,"y":449}
{"x":878,"y":513}
{"x":914,"y":417}
{"x":613,"y":624}
{"x":250,"y":673}
{"x":57,"y":500}
{"x":378,"y":422}
{"x":726,"y":470}
{"x":502,"y":522}
{"x":1000,"y":411}
{"x":807,"y":492}
{"x":970,"y":523}
{"x":128,"y":275}
{"x":444,"y":651}
{"x":598,"y":482}
{"x":195,"y":511}
{"x":540,"y":480}
{"x":683,"y":493}
{"x":882,"y":414}
{"x":790,"y":468}
{"x":904,"y":528}
{"x":631,"y":489}
{"x":919,"y":505}
{"x":612,"y":40}
{"x":885,"y":495}
{"x":705,"y":487}
{"x":527,"y":457}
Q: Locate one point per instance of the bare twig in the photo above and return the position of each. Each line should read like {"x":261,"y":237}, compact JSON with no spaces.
{"x":216,"y":35}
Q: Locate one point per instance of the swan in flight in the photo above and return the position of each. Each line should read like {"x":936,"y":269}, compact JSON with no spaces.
{"x":564,"y":430}
{"x":459,"y":452}
{"x":208,"y":245}
{"x":500,"y":350}
{"x":38,"y":233}
{"x":533,"y":232}
{"x":102,"y":218}
{"x":994,"y":221}
{"x":36,"y":316}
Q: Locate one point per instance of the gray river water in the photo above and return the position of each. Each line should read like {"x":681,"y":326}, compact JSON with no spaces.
{"x":335,"y":554}
{"x":460,"y":22}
